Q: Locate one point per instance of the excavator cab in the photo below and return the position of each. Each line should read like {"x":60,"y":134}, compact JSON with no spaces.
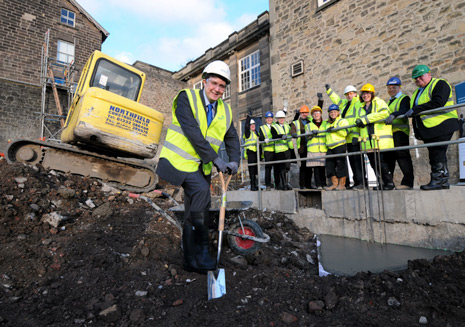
{"x":106,"y":114}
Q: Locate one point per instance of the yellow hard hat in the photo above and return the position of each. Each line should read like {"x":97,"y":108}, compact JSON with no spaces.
{"x":304,"y":108}
{"x":368,"y":88}
{"x":315,"y":108}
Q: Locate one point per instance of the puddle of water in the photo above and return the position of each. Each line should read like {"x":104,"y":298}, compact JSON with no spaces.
{"x":344,"y":256}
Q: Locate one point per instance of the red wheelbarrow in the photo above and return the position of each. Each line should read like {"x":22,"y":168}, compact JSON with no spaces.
{"x":244,"y":236}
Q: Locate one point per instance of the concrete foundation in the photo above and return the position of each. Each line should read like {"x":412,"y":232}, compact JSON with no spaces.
{"x":428,"y":219}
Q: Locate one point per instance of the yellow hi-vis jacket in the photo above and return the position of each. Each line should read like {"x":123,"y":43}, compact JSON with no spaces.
{"x":298,"y":131}
{"x":399,"y":124}
{"x":351,"y":114}
{"x":177,"y":148}
{"x":432,"y":120}
{"x":268,"y":147}
{"x":336,"y":138}
{"x":379,"y":111}
{"x":316,"y":143}
{"x":283,"y":145}
{"x":250,"y":143}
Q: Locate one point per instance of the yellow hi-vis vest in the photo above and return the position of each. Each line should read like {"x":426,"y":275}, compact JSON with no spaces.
{"x":336,"y":138}
{"x":282,"y":145}
{"x":351,"y":114}
{"x":178,"y":150}
{"x":268,"y":147}
{"x":432,"y":120}
{"x":298,"y":132}
{"x":250,"y":143}
{"x":399,"y":124}
{"x":379,"y":111}
{"x":318,"y":142}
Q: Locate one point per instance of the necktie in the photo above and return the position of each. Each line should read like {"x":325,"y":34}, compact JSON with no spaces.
{"x":209,"y":114}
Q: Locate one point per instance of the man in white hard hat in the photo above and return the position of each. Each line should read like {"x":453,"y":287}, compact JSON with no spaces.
{"x":281,"y":130}
{"x":251,"y":150}
{"x":347,"y":107}
{"x":201,"y":122}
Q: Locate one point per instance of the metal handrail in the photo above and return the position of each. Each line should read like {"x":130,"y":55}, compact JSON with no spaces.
{"x":407,"y":147}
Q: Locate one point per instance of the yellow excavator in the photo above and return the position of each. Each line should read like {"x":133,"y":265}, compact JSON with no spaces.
{"x":108,"y":134}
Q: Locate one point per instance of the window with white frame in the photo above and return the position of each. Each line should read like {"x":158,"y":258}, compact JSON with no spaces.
{"x":65,"y":52}
{"x":249,"y":71}
{"x":227,"y":91}
{"x":322,"y":2}
{"x":198,"y":86}
{"x":68,"y":17}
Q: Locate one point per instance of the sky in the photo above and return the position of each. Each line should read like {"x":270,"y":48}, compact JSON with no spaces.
{"x":166,"y":33}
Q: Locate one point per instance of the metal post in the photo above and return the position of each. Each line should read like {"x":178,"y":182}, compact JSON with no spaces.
{"x":258,"y":177}
{"x":383,"y":239}
{"x":379,"y":186}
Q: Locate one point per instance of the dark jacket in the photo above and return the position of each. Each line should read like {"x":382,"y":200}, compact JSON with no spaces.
{"x":439,"y":98}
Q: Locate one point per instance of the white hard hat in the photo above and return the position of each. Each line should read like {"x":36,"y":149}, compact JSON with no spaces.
{"x":350,"y":88}
{"x":280,"y":114}
{"x":252,"y":121}
{"x":219,"y":68}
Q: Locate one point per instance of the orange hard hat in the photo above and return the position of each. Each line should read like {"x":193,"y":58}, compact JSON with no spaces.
{"x":304,"y":108}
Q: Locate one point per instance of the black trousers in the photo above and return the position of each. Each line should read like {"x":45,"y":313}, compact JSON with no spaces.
{"x":337,"y":166}
{"x":320,"y":175}
{"x":355,"y":164}
{"x":252,"y":159}
{"x":281,"y":168}
{"x":437,"y":154}
{"x":269,"y":156}
{"x":305,"y":173}
{"x":402,"y":157}
{"x":197,"y":197}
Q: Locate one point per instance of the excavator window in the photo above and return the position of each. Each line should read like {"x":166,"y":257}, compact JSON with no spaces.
{"x":116,"y":79}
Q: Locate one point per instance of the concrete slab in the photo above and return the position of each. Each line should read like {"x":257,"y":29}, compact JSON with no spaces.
{"x":429,"y":219}
{"x":283,"y":201}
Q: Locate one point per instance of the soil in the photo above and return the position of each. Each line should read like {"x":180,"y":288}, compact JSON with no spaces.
{"x":75,"y":252}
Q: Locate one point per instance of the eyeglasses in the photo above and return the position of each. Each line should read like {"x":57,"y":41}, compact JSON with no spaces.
{"x":215,"y":84}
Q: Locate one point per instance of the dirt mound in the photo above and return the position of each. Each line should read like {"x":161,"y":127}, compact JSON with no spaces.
{"x":75,"y":252}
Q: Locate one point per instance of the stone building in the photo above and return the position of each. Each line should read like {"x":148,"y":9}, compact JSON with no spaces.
{"x":73,"y":36}
{"x":247,"y":54}
{"x":343,"y":42}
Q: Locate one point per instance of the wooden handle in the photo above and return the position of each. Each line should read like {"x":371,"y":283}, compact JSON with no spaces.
{"x":224,"y":188}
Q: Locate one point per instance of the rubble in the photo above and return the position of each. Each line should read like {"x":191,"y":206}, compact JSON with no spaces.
{"x":120,"y":264}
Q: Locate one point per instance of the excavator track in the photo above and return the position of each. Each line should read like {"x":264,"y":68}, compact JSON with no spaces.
{"x":124,"y":174}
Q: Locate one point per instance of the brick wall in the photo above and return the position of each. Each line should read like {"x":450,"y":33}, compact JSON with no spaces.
{"x":362,"y":42}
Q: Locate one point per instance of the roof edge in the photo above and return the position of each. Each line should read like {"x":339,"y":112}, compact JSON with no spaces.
{"x":100,"y":27}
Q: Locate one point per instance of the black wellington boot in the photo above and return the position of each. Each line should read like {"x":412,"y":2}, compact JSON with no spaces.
{"x":286,"y":185}
{"x":253,"y":183}
{"x":189,"y":262}
{"x":437,"y":178}
{"x":445,"y":178}
{"x":203,"y":259}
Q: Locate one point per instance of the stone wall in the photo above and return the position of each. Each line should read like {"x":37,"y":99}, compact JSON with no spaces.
{"x":365,"y":42}
{"x":23,"y":25}
{"x":20,"y":106}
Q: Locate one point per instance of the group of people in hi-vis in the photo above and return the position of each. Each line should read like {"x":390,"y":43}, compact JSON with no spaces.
{"x":360,"y":122}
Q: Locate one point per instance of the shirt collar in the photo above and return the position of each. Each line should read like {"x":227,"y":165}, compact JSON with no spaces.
{"x":207,"y":102}
{"x":397,"y":95}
